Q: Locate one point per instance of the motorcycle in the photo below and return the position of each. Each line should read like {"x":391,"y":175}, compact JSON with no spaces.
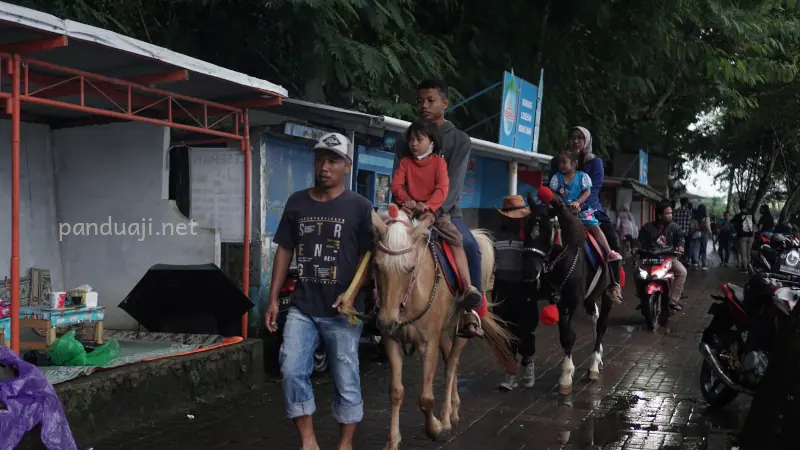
{"x":370,"y":334}
{"x":653,"y":285}
{"x":735,"y":345}
{"x":769,"y":247}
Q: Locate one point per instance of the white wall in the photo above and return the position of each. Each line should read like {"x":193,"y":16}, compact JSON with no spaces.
{"x":39,"y":245}
{"x":117,"y":171}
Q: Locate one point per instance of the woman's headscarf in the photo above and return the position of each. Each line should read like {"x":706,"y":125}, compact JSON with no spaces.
{"x":587,"y":147}
{"x":624,"y":208}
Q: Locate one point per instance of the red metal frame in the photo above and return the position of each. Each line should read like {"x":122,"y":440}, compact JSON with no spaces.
{"x":129,"y":99}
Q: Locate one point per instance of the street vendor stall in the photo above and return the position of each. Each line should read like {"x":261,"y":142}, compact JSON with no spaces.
{"x":65,"y":72}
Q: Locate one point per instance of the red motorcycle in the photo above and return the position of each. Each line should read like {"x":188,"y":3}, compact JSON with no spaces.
{"x":653,"y":284}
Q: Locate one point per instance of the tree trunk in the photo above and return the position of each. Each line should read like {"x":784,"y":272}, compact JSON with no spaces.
{"x":775,"y":410}
{"x":730,"y":189}
{"x":537,"y":62}
{"x":766,"y":177}
{"x":788,"y":207}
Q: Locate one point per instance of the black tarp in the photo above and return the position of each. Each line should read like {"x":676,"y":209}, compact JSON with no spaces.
{"x":198,"y":299}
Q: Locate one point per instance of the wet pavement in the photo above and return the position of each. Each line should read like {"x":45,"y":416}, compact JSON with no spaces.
{"x":647,"y":397}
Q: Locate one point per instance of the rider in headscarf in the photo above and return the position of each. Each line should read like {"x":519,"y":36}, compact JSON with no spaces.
{"x":580,"y":140}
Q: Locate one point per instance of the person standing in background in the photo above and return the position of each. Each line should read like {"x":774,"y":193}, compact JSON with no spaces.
{"x":701,"y":232}
{"x":725,"y":238}
{"x":744,"y":224}
{"x":683,"y":219}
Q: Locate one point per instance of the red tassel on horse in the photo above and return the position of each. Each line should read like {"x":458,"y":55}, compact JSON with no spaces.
{"x":622,"y":277}
{"x":549,"y":315}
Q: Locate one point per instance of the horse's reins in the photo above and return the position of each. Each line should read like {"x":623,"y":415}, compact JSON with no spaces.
{"x":552,"y":264}
{"x":407,"y":294}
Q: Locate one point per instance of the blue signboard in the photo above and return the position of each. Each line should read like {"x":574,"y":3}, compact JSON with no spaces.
{"x":509,"y":110}
{"x":518,"y":113}
{"x":527,"y":113}
{"x":642,"y":166}
{"x":538,"y":113}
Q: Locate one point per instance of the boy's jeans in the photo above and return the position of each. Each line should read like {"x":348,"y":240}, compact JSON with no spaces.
{"x":301,"y":336}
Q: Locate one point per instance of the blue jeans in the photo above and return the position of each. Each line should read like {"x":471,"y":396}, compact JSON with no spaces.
{"x":301,"y":336}
{"x":700,"y":249}
{"x":473,"y":252}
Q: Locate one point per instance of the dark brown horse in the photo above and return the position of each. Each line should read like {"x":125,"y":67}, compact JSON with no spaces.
{"x":555,"y":257}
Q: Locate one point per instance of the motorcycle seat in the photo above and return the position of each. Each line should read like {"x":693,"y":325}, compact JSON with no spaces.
{"x":738,"y":293}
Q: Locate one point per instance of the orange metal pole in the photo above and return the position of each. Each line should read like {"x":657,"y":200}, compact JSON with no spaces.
{"x":15,"y":138}
{"x":246,"y":256}
{"x":123,"y":116}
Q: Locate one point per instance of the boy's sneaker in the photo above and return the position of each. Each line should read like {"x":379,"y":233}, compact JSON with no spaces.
{"x":528,"y":375}
{"x":509,"y":384}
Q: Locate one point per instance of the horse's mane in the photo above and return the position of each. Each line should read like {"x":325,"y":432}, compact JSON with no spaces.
{"x":397,"y":238}
{"x":572,"y":231}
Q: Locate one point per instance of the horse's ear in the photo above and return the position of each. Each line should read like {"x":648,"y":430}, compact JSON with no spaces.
{"x":425,"y":222}
{"x":378,"y":223}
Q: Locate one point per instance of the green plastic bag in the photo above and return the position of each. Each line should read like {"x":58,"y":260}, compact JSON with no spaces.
{"x":68,"y":351}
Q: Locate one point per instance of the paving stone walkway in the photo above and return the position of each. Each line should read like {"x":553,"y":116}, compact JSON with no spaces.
{"x":647,"y":398}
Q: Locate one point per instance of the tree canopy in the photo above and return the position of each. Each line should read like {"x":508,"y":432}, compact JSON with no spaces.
{"x":637,"y":74}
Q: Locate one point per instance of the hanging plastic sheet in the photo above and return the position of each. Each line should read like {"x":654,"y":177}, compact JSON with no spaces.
{"x":27,"y":400}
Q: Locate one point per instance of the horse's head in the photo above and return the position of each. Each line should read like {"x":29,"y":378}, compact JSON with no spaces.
{"x":399,"y":252}
{"x":542,"y":233}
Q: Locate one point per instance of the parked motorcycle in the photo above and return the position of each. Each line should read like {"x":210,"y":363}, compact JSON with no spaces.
{"x":769,"y":246}
{"x":369,"y":335}
{"x":735,"y":345}
{"x":653,"y":284}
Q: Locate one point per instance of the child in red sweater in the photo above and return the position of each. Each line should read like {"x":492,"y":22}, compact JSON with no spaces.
{"x":420,"y":186}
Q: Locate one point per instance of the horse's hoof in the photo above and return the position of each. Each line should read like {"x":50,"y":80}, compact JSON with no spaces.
{"x":565,"y":389}
{"x":594,"y":375}
{"x":443,"y":435}
{"x":392,"y":446}
{"x":454,"y":421}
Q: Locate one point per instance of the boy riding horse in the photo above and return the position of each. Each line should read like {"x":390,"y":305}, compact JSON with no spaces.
{"x":432,"y":101}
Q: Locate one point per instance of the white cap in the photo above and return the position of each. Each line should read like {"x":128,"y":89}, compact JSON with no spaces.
{"x":336,"y":143}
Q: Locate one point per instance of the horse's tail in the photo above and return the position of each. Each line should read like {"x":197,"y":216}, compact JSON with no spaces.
{"x":494,"y":328}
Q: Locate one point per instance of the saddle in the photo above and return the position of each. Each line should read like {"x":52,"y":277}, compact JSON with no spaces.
{"x":597,"y":258}
{"x":443,"y":254}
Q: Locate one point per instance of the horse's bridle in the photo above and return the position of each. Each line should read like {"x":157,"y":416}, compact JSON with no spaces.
{"x":548,"y":257}
{"x":407,"y":294}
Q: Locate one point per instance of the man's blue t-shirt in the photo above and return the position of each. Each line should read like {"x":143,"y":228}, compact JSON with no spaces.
{"x":328,"y":239}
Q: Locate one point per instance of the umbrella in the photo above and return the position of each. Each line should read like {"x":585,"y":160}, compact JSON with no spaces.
{"x":197,"y":299}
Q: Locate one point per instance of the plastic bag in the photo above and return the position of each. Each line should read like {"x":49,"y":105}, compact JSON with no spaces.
{"x":29,"y":400}
{"x":68,"y":351}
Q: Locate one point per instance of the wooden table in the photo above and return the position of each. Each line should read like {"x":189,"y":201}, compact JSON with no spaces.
{"x":50,"y":319}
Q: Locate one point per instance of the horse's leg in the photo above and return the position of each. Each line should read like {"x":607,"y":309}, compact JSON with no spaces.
{"x":567,"y":337}
{"x":395,"y":353}
{"x":600,"y":319}
{"x":430,"y":357}
{"x":451,"y":401}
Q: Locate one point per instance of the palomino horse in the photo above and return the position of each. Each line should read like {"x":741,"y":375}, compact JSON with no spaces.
{"x":556,"y":254}
{"x":414,"y":308}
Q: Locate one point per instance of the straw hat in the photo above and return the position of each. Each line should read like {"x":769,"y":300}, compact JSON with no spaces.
{"x":514,"y":207}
